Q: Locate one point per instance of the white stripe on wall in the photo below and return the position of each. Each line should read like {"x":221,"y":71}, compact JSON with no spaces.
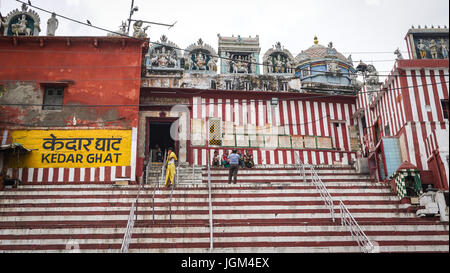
{"x":301,"y":118}
{"x":317,"y":118}
{"x":82,"y":174}
{"x":102,"y":173}
{"x":60,"y":174}
{"x":50,"y":175}
{"x":71,"y":174}
{"x":92,"y":174}
{"x":40,"y":175}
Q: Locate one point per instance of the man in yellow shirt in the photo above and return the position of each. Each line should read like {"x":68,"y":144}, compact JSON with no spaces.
{"x":171,"y":170}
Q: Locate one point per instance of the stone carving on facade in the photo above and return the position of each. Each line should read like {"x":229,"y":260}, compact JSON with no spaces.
{"x":122,"y":30}
{"x":422,"y":49}
{"x":331,"y":51}
{"x":240,"y":54}
{"x":52,"y":25}
{"x":371,"y":75}
{"x":350,"y":60}
{"x":163,"y":58}
{"x":333,"y":68}
{"x":433,"y":49}
{"x":164,"y":55}
{"x":444,"y":49}
{"x":240,"y":64}
{"x":22,"y":22}
{"x":21,"y":27}
{"x":278,"y":60}
{"x":399,"y":54}
{"x":200,"y":57}
{"x":371,"y":78}
{"x":139,"y":32}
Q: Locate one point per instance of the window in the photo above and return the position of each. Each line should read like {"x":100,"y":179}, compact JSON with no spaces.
{"x":284,"y":86}
{"x":265,"y":86}
{"x":213,"y":85}
{"x":215,"y":132}
{"x":53,"y":98}
{"x":228,"y":85}
{"x":444,"y":104}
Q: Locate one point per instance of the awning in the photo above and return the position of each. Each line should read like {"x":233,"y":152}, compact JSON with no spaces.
{"x":15,"y":147}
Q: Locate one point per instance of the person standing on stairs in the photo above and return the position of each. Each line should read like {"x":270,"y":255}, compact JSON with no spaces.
{"x":171,"y":170}
{"x":234,"y":166}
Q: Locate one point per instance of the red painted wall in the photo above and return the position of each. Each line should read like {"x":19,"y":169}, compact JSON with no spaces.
{"x":97,"y":70}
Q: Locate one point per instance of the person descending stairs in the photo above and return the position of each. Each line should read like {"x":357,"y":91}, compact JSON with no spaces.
{"x":171,"y":170}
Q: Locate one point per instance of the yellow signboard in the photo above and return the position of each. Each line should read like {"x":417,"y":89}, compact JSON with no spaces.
{"x":73,"y":148}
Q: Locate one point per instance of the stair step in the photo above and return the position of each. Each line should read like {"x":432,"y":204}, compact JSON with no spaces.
{"x":269,"y":210}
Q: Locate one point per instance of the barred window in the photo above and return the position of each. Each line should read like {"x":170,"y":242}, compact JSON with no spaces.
{"x":215,"y":132}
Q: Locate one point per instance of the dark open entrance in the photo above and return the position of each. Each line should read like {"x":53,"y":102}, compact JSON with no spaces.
{"x":159,"y":136}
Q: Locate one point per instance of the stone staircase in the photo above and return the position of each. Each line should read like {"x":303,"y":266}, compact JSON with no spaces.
{"x":188,"y":174}
{"x":269,"y":210}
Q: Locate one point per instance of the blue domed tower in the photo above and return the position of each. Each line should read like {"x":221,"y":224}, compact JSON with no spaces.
{"x":324,"y":69}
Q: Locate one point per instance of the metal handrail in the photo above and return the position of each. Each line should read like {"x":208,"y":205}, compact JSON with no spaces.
{"x":157,"y":185}
{"x":300,"y":166}
{"x":130,"y":224}
{"x":144,"y":181}
{"x":324,"y":193}
{"x":346,"y":217}
{"x":211,"y":227}
{"x":357,"y":233}
{"x":315,"y":179}
{"x":171,"y":192}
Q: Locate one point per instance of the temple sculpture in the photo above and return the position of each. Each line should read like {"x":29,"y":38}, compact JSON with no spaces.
{"x":24,"y":22}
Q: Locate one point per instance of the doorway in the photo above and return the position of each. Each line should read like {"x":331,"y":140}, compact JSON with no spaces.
{"x":159,"y":137}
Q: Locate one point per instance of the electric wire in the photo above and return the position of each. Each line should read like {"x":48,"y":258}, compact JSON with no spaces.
{"x":154,"y":43}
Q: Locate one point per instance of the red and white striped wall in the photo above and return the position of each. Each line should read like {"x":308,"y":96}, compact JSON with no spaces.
{"x":70,"y":175}
{"x":437,"y":155}
{"x":300,"y":117}
{"x":78,"y":175}
{"x":410,"y":105}
{"x":280,"y":156}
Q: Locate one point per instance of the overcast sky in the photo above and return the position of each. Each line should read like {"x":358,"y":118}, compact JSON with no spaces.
{"x":352,"y":25}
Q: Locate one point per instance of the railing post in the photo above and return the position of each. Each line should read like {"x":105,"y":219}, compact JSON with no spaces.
{"x":211,"y":227}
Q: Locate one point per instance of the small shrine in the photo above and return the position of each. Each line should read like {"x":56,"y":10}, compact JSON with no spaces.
{"x":278,"y":60}
{"x":240,"y":55}
{"x":164,"y":56}
{"x":428,"y":42}
{"x":200,"y":57}
{"x":407,"y":181}
{"x":23,"y":22}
